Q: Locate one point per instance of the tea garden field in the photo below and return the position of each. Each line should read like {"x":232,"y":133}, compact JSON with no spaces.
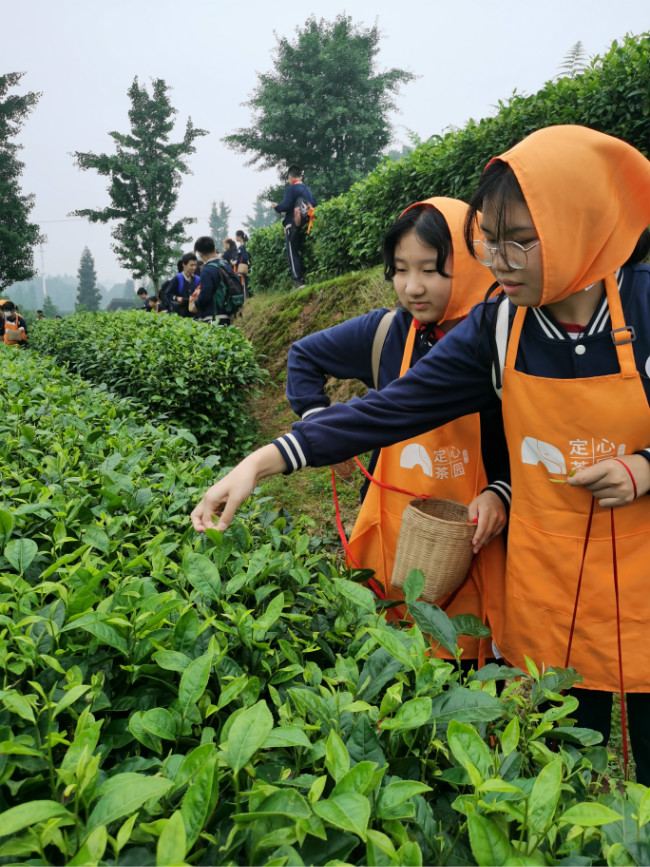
{"x":238,"y":698}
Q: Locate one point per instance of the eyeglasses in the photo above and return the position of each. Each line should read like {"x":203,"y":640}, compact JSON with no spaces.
{"x":513,"y":254}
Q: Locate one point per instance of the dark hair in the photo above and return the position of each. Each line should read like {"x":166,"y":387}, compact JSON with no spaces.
{"x":499,"y":184}
{"x":230,"y":244}
{"x":205,"y":244}
{"x":294,"y":171}
{"x":430,"y":227}
{"x":185,"y":260}
{"x":141,"y":291}
{"x":641,"y":249}
{"x":39,"y":311}
{"x":8,"y":307}
{"x":241,"y":234}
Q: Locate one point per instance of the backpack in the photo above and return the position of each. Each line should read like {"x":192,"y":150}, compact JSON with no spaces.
{"x":300,"y":211}
{"x":234,"y":291}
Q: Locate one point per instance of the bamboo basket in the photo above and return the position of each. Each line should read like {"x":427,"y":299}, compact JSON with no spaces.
{"x":434,"y":536}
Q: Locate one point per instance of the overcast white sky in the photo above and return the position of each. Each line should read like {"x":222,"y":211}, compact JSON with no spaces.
{"x":83,"y":55}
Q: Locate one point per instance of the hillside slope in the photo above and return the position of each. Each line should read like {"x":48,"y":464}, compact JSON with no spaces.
{"x":272,"y":322}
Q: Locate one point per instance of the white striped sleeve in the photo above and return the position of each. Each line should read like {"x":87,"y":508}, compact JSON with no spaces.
{"x":503,"y":490}
{"x":293,"y":455}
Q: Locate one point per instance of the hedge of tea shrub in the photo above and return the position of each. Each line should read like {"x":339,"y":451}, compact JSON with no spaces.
{"x":611,"y":96}
{"x":233,"y":699}
{"x":200,"y":376}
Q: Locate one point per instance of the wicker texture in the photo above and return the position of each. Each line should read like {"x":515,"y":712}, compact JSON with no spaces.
{"x":434,"y":536}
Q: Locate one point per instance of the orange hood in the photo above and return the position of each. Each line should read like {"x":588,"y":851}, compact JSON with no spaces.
{"x":470,"y":280}
{"x":589,"y":196}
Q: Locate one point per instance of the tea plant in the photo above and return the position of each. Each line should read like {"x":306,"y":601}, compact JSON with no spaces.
{"x":234,"y":698}
{"x":201,"y":377}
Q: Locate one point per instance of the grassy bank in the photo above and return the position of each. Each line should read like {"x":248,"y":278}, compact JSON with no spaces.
{"x":272,"y":322}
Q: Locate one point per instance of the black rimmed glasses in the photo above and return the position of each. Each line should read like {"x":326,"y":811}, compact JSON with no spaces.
{"x":512,"y":253}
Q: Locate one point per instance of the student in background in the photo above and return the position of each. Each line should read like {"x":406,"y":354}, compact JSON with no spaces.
{"x":243,"y":261}
{"x":294,"y":235}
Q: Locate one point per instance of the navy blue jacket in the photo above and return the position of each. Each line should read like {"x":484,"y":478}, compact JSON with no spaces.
{"x":455,"y":377}
{"x":345,"y":352}
{"x":288,"y":203}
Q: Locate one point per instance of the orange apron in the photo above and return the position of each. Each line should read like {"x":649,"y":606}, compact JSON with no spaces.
{"x":553,"y":426}
{"x":446,"y":463}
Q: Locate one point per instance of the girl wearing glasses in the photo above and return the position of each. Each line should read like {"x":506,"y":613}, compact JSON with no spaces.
{"x":437,"y":282}
{"x":565,"y":349}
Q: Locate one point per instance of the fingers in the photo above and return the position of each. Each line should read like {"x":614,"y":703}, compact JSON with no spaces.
{"x":491,"y":517}
{"x":610,"y":481}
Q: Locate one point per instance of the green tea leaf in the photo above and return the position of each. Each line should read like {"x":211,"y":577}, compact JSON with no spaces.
{"x":434,"y":622}
{"x":196,"y":803}
{"x":510,"y":737}
{"x":544,"y":796}
{"x":194,"y":681}
{"x":348,"y":812}
{"x":413,"y":714}
{"x":247,"y":735}
{"x":287,"y":736}
{"x":123,"y":794}
{"x":6,"y":527}
{"x":160,"y":723}
{"x":337,"y":760}
{"x":20,"y":553}
{"x":589,"y":814}
{"x":468,"y":747}
{"x":16,"y":818}
{"x":357,"y":594}
{"x":413,"y":586}
{"x":203,"y":575}
{"x":171,"y":843}
{"x":171,"y":660}
{"x":92,"y":851}
{"x":490,"y":846}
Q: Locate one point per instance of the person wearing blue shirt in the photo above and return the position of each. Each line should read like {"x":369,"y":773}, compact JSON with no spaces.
{"x":293,"y":234}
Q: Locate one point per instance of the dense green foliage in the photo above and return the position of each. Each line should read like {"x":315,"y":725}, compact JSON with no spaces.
{"x":145,"y":176}
{"x":200,"y":376}
{"x":88,"y":295}
{"x":18,"y":236}
{"x":324,"y":106}
{"x":612,"y":96}
{"x":168,"y":699}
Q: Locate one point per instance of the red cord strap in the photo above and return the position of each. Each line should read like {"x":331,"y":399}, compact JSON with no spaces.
{"x":629,"y":472}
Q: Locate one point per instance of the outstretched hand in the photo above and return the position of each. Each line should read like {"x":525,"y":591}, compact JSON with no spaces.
{"x":226,"y":496}
{"x":491,"y":513}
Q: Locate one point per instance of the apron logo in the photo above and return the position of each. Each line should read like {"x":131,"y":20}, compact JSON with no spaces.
{"x":537,"y":451}
{"x":582,"y":453}
{"x":447,"y":463}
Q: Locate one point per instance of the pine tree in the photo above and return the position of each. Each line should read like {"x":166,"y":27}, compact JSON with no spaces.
{"x":50,"y":310}
{"x":145,"y":176}
{"x":18,"y":236}
{"x":219,"y":220}
{"x":88,"y":295}
{"x":262,"y":217}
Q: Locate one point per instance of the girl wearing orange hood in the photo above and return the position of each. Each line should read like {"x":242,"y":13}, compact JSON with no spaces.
{"x":566,"y":349}
{"x":437,"y":282}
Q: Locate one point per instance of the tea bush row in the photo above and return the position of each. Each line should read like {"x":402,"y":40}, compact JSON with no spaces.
{"x":610,"y":96}
{"x":232,"y":699}
{"x":200,"y":376}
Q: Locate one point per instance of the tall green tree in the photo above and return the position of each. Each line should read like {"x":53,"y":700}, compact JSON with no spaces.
{"x":88,"y":295}
{"x":219,"y":220}
{"x":18,"y":236}
{"x":262,"y":217}
{"x":145,"y":174}
{"x":50,"y":310}
{"x":323,"y":106}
